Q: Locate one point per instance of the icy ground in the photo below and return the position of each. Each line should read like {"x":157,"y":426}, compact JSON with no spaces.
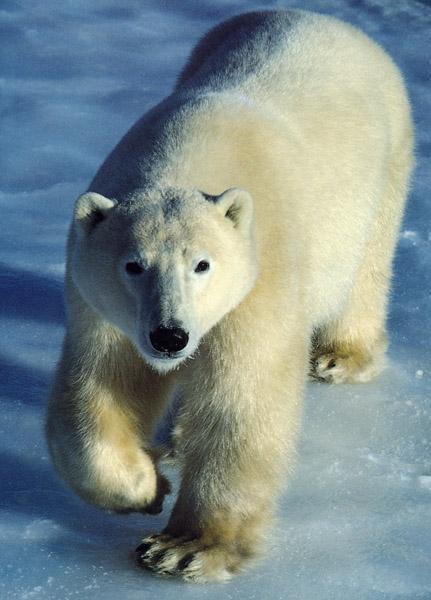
{"x":355,"y":522}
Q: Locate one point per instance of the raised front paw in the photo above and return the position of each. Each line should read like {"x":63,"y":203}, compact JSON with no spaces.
{"x":192,"y":559}
{"x":154,"y":506}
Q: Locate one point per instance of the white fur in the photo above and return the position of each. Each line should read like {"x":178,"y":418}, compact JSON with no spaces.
{"x":308,"y":121}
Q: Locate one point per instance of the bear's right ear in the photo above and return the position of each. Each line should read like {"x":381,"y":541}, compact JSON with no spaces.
{"x":91,"y":209}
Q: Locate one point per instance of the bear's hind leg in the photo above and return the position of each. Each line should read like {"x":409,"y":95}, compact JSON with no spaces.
{"x":352,"y":361}
{"x":352,"y":348}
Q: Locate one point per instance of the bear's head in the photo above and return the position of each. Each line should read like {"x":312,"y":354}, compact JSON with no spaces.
{"x":165,"y":266}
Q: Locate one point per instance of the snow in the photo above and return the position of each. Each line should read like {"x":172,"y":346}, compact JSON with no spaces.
{"x":355,"y":520}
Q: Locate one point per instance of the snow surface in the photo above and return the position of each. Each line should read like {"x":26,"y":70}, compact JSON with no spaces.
{"x":355,"y":521}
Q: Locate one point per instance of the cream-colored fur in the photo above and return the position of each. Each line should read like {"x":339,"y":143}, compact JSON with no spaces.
{"x":308,"y":121}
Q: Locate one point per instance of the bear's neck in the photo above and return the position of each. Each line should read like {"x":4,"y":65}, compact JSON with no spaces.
{"x":217,"y":145}
{"x":211,"y":143}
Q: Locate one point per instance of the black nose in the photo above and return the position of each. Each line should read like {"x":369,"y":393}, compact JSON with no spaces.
{"x":169,"y":339}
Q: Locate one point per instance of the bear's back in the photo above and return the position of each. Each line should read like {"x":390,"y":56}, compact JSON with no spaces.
{"x":278,"y":50}
{"x":237,"y":49}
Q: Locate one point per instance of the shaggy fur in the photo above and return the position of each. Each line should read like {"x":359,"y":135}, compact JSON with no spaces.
{"x":305,"y":122}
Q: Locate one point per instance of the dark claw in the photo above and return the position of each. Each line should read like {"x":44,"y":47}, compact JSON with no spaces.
{"x":143,"y":548}
{"x":158,"y":556}
{"x":163,"y":488}
{"x":163,"y":485}
{"x":185,"y":561}
{"x":153,"y":509}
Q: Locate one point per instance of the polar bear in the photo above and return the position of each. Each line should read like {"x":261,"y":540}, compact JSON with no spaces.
{"x":240,"y":232}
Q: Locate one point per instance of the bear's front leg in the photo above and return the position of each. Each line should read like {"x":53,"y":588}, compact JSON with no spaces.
{"x":100,"y":418}
{"x":236,"y":439}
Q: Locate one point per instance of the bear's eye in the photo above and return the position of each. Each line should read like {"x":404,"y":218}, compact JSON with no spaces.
{"x":134,"y":268}
{"x":202,"y":266}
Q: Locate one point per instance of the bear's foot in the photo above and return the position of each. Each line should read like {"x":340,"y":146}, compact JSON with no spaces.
{"x":340,"y":367}
{"x":154,"y":507}
{"x":191,"y":559}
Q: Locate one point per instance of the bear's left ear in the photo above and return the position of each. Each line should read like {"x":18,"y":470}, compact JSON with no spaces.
{"x":236,"y":204}
{"x":91,"y":209}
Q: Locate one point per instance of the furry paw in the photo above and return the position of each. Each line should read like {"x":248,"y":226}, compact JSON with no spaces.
{"x":191,"y":559}
{"x":163,"y":488}
{"x":342,"y":368}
